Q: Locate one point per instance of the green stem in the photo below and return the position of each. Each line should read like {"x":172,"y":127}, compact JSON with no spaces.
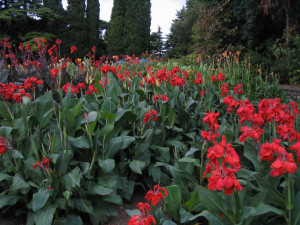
{"x":289,"y":204}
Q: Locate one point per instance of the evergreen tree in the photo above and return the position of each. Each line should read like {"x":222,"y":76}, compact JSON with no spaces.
{"x":156,"y":42}
{"x":115,"y":32}
{"x":129,"y":27}
{"x":78,"y":35}
{"x":92,"y":14}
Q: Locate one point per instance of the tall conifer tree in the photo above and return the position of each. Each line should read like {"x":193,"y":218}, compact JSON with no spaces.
{"x":115,"y":33}
{"x":129,"y":27}
{"x":78,"y":35}
{"x":92,"y":14}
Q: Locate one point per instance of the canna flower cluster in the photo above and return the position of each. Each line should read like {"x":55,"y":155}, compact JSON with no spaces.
{"x":145,"y":218}
{"x":4,"y":145}
{"x":284,"y":162}
{"x":223,"y":163}
{"x":154,"y":196}
{"x":161,"y":98}
{"x":211,"y":120}
{"x":150,"y":115}
{"x":15,"y":92}
{"x":44,"y":164}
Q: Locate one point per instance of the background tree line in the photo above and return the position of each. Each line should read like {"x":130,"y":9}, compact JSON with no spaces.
{"x":266,"y":31}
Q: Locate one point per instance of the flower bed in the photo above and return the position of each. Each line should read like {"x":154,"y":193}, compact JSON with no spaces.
{"x":78,"y":135}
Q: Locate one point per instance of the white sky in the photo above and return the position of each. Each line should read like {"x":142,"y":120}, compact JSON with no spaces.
{"x":162,"y":12}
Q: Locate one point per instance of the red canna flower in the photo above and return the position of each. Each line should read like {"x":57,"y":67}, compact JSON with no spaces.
{"x":54,"y":72}
{"x":58,"y":42}
{"x":44,"y":164}
{"x":224,"y":89}
{"x":220,"y":77}
{"x":91,"y":90}
{"x":145,"y":218}
{"x":156,"y":195}
{"x":94,"y":49}
{"x":73,"y":49}
{"x":150,"y":115}
{"x":4,"y":145}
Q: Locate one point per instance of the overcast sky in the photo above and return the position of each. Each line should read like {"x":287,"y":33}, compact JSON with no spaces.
{"x":162,"y":12}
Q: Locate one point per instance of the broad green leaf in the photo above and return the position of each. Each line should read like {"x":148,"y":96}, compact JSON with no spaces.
{"x":99,"y":190}
{"x":133,"y":212}
{"x":107,"y":165}
{"x":211,"y":199}
{"x":108,"y":117}
{"x":19,"y":182}
{"x":45,"y":215}
{"x":77,"y":109}
{"x":92,"y":119}
{"x":5,"y":131}
{"x":80,"y":142}
{"x":116,"y":144}
{"x":213,"y":219}
{"x":272,"y":193}
{"x":137,"y":166}
{"x":262,"y":208}
{"x":107,"y":131}
{"x":296,"y":210}
{"x":63,"y":162}
{"x":173,"y":201}
{"x":251,"y":153}
{"x":184,"y":215}
{"x":4,"y":112}
{"x":168,"y":222}
{"x":40,"y":199}
{"x":83,"y":205}
{"x":9,"y":200}
{"x":72,"y":179}
{"x":69,"y":220}
{"x":113,"y":198}
{"x":4,"y":176}
{"x":44,"y":108}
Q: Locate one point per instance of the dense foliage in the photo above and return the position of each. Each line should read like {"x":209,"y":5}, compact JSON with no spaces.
{"x":217,"y":141}
{"x":129,"y":27}
{"x":264,"y":30}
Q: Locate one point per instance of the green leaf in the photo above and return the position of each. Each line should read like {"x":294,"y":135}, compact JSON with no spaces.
{"x":63,"y":162}
{"x":67,"y":195}
{"x":251,"y":153}
{"x":5,"y":131}
{"x":184,"y":215}
{"x":40,"y":199}
{"x":99,"y":190}
{"x":213,"y":219}
{"x":44,"y":108}
{"x":107,"y":165}
{"x":173,"y":201}
{"x":19,"y":182}
{"x":80,"y":142}
{"x":4,"y":176}
{"x":9,"y":200}
{"x":210,"y":199}
{"x":3,"y":110}
{"x":108,"y":117}
{"x":168,"y":222}
{"x":133,"y":212}
{"x":92,"y":118}
{"x":77,"y":109}
{"x":83,"y":205}
{"x":137,"y":166}
{"x":69,"y":220}
{"x":113,"y":198}
{"x":72,"y":179}
{"x":45,"y":215}
{"x":296,"y":210}
{"x":272,"y":193}
{"x":116,"y":144}
{"x":107,"y":131}
{"x":262,"y":208}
